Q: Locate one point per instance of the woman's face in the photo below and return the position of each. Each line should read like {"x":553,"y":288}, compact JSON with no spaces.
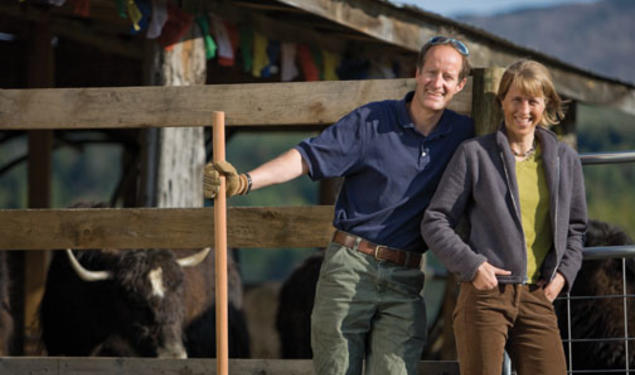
{"x":522,"y":112}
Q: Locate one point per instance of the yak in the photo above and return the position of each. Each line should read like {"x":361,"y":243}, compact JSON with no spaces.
{"x":293,"y":319}
{"x":135,"y":308}
{"x":140,"y":303}
{"x":147,"y":303}
{"x":600,"y":318}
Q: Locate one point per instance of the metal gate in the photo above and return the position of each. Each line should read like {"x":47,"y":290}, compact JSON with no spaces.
{"x":598,"y":253}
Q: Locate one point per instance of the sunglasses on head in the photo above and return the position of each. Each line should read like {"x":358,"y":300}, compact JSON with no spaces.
{"x":460,"y":47}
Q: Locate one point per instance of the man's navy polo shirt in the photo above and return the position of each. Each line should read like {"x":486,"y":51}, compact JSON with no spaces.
{"x":391,"y":171}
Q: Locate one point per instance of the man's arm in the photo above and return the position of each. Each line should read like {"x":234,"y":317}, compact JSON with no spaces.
{"x":283,"y":168}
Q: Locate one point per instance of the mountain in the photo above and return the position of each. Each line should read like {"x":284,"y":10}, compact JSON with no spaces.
{"x":598,"y":36}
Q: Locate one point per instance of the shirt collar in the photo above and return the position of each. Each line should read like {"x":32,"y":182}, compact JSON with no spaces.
{"x":443,"y":127}
{"x":403,"y":116}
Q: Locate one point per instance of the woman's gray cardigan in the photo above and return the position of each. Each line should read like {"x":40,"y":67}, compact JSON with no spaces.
{"x":480,"y":182}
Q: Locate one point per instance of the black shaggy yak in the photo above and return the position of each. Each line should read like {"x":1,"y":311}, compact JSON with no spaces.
{"x":135,"y":309}
{"x":149,"y":306}
{"x":293,"y":319}
{"x":112,"y":302}
{"x":600,"y":318}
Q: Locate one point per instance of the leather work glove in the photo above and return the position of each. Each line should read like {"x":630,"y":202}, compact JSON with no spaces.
{"x":236,"y":184}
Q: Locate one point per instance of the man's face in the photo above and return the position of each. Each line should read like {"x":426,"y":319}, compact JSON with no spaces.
{"x":438,"y":78}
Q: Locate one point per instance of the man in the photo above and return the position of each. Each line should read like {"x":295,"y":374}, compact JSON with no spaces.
{"x":391,"y":154}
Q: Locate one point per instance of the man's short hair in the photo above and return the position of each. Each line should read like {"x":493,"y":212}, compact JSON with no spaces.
{"x":454,"y":43}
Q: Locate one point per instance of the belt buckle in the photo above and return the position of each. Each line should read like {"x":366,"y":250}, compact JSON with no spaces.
{"x":376,"y":253}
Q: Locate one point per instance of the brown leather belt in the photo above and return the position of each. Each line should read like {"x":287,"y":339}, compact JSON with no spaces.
{"x":379,"y":252}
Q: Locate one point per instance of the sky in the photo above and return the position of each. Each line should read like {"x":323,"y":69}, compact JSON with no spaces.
{"x":451,"y":8}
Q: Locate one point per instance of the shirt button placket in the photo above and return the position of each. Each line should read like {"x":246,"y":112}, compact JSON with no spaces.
{"x":424,"y":156}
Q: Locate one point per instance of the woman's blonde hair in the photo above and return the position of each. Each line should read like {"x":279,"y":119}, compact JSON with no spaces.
{"x":533,"y":78}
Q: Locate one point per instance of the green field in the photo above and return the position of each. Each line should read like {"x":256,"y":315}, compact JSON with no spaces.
{"x":610,"y":188}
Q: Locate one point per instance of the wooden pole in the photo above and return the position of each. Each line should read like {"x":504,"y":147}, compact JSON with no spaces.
{"x":486,"y":112}
{"x":41,"y":74}
{"x":220,"y":246}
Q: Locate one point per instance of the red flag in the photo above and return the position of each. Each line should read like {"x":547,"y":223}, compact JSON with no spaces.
{"x":309,"y":69}
{"x":175,"y":27}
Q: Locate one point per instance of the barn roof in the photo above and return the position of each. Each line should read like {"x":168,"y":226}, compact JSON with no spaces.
{"x":410,"y":27}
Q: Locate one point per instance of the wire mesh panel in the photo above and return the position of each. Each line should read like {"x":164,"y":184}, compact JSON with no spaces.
{"x":595,"y":318}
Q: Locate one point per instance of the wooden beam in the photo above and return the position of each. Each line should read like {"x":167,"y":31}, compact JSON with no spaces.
{"x":295,"y":32}
{"x":155,"y":366}
{"x":410,"y":28}
{"x":266,"y":7}
{"x":248,"y":227}
{"x":36,"y":263}
{"x":298,"y":103}
{"x":103,"y":12}
{"x":106,"y":37}
{"x":130,"y":47}
{"x":306,"y":28}
{"x":486,"y":111}
{"x":41,"y":73}
{"x":369,"y":17}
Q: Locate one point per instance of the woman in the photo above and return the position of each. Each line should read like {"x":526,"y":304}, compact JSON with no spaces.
{"x":522,"y":193}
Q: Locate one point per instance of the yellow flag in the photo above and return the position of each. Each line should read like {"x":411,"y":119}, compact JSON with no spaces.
{"x":260,"y":54}
{"x":135,"y":14}
{"x":331,"y":61}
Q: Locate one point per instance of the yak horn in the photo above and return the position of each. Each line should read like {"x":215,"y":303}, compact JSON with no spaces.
{"x":194,"y":259}
{"x":85,"y":274}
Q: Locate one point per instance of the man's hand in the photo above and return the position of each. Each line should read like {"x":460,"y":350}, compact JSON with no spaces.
{"x":485,"y":278}
{"x":552,"y":290}
{"x":236,"y":184}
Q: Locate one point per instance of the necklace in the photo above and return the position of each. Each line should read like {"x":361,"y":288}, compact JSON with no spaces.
{"x":527,"y":153}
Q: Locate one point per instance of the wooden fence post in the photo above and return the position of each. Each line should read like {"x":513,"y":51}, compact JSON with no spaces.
{"x":486,"y":112}
{"x":220,"y":250}
{"x":41,"y":72}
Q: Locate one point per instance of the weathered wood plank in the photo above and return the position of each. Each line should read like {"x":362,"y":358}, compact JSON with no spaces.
{"x":297,"y":103}
{"x":268,"y":227}
{"x":198,"y":366}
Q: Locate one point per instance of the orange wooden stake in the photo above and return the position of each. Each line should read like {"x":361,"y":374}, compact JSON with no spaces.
{"x":220,"y":246}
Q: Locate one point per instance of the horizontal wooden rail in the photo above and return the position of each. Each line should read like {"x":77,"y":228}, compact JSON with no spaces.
{"x":267,"y":227}
{"x":198,"y":366}
{"x":255,"y":104}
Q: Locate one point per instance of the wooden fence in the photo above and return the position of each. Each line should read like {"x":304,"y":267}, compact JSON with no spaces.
{"x":277,"y":105}
{"x":246,"y":105}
